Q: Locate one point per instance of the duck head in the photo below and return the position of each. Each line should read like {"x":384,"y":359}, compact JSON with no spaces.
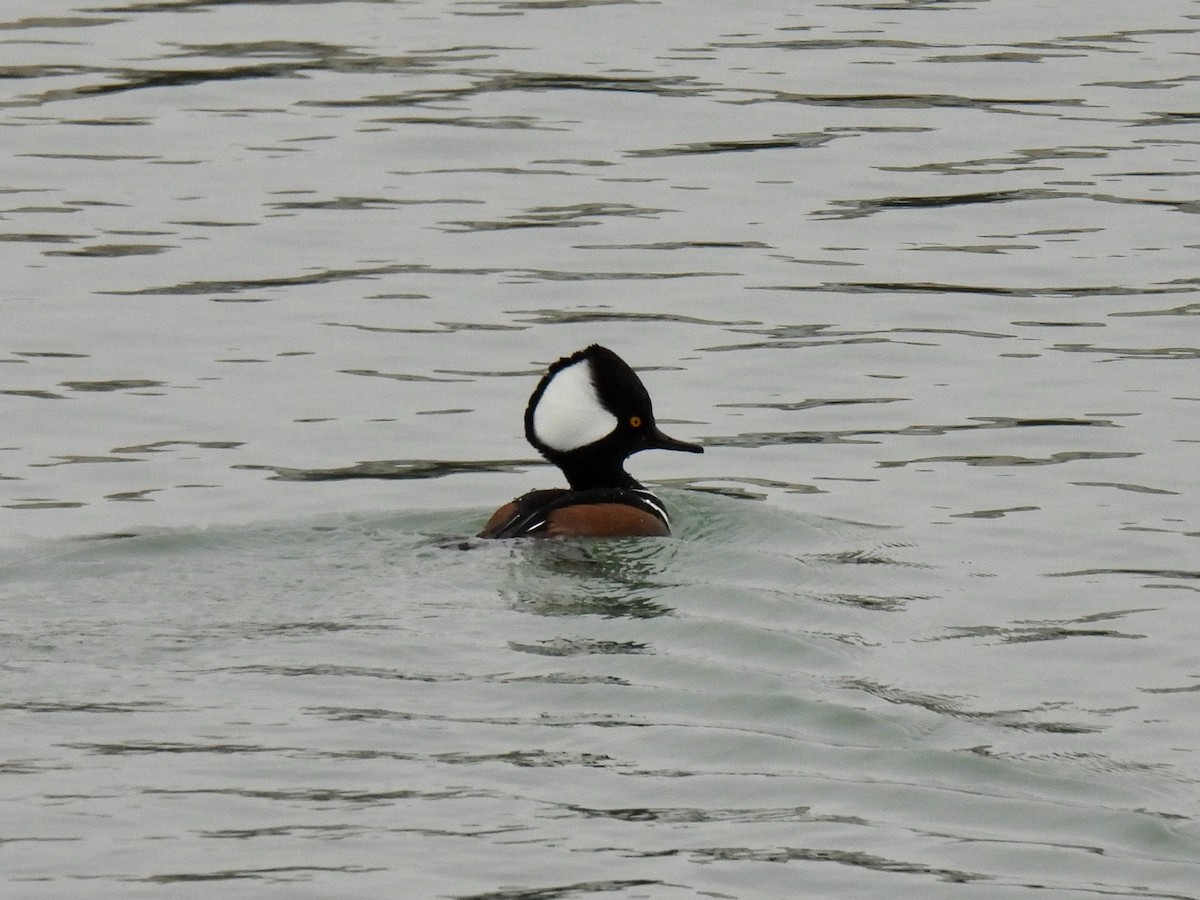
{"x":591,"y":412}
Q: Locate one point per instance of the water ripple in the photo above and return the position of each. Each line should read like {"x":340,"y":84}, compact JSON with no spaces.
{"x":240,"y":642}
{"x":853,"y":209}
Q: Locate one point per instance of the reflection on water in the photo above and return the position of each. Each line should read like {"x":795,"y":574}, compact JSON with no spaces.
{"x":756,"y":709}
{"x":914,"y":274}
{"x":604,"y":578}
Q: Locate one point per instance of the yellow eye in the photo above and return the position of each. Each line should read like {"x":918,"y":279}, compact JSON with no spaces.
{"x":635,"y":421}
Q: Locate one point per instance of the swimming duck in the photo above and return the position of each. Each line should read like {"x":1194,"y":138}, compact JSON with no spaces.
{"x":589,"y":413}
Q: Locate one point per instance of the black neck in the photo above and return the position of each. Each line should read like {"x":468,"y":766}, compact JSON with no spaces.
{"x":586,"y":471}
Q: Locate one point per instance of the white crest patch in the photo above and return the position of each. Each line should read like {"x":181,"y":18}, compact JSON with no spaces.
{"x":569,"y":415}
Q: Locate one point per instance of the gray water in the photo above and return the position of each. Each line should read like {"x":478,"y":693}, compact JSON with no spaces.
{"x":278,"y":279}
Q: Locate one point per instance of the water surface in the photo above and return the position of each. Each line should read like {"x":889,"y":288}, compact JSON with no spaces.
{"x":279,"y":278}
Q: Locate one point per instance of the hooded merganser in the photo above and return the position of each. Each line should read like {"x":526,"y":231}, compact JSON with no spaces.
{"x":588,"y":414}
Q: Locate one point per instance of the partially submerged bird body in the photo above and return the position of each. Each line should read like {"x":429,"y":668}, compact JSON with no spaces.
{"x":588,"y":414}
